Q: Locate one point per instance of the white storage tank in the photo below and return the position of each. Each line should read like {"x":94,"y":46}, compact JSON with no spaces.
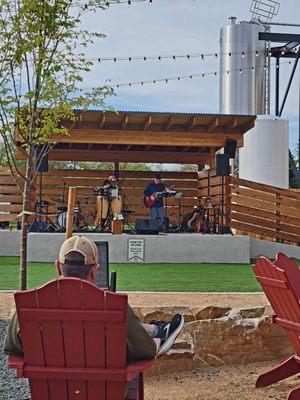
{"x":265,"y":155}
{"x":242,"y":69}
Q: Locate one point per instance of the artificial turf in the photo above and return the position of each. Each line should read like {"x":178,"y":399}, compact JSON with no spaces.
{"x":148,"y":277}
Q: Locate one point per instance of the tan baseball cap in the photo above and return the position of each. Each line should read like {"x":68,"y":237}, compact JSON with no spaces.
{"x":83,"y":246}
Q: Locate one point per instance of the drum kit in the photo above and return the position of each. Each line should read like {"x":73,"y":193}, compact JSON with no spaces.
{"x":109,"y":207}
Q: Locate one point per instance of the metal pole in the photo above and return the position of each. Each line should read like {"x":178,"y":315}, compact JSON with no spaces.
{"x":289,"y":83}
{"x":299,"y":131}
{"x":277,"y":86}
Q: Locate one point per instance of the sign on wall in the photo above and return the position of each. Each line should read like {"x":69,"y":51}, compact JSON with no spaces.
{"x":136,"y":250}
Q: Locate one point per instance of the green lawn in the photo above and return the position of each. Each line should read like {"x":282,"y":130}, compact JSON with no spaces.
{"x":149,"y":277}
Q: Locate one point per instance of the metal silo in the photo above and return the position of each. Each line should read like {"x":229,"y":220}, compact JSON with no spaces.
{"x":242,"y":69}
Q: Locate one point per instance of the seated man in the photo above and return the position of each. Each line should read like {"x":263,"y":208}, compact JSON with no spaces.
{"x":78,"y":258}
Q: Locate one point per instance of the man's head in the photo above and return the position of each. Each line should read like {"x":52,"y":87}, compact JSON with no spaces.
{"x":78,"y":258}
{"x":157,"y":179}
{"x":112,"y":177}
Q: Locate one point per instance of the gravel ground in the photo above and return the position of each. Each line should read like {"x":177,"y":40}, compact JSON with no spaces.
{"x":11,"y":388}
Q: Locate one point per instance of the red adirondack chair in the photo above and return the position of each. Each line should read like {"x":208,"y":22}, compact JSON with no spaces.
{"x":74,"y":342}
{"x":281,"y":283}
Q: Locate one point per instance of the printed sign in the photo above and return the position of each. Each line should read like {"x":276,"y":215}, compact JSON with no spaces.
{"x":136,"y":250}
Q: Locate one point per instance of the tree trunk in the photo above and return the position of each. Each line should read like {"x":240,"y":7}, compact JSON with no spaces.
{"x":24,"y":228}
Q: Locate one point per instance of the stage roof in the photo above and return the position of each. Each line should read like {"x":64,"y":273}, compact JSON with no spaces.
{"x":136,"y":136}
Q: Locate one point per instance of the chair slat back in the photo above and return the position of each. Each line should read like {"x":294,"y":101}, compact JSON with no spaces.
{"x":282,"y":297}
{"x":83,"y":341}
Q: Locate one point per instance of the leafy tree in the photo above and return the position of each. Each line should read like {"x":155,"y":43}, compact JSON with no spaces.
{"x":42,"y":64}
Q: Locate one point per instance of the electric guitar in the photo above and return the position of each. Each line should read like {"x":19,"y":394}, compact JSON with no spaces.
{"x":150,"y":201}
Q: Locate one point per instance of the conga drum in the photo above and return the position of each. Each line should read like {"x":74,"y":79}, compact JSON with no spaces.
{"x":102,"y":209}
{"x":116,"y":205}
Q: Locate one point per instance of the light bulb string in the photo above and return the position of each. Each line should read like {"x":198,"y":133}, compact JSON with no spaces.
{"x":252,"y":69}
{"x":187,"y":56}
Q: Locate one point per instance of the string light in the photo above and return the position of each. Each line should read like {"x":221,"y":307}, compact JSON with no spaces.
{"x":179,"y":78}
{"x":172,"y":57}
{"x":115,"y":2}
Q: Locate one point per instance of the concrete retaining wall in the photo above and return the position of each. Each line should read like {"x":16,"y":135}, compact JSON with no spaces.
{"x":172,"y":248}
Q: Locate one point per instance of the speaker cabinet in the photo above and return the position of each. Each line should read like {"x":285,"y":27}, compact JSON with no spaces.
{"x":146,"y":227}
{"x":41,"y":159}
{"x":222,"y":164}
{"x":230,"y":147}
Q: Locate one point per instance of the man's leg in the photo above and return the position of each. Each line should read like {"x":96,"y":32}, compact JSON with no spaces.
{"x":154,"y":214}
{"x":161,"y":218}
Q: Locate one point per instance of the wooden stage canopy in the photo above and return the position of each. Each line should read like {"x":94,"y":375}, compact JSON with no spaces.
{"x":148,"y":137}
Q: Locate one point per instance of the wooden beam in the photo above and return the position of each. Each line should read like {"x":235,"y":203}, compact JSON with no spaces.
{"x":171,"y":138}
{"x":248,"y":126}
{"x":147,"y":123}
{"x":79,"y":120}
{"x":126,"y":156}
{"x":212,"y":125}
{"x":169,"y":123}
{"x":212,"y":158}
{"x":232,"y":124}
{"x":190,"y":124}
{"x":102,"y":121}
{"x":124,"y":122}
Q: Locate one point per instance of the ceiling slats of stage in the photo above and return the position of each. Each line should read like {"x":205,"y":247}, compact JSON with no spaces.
{"x":128,"y":136}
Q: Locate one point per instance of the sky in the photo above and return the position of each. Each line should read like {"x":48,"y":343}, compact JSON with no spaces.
{"x":178,"y":27}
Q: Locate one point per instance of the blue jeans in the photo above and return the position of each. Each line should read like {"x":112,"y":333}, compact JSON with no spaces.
{"x":158,"y":213}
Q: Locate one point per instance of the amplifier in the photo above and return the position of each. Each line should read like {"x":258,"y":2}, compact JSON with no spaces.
{"x":146,"y":227}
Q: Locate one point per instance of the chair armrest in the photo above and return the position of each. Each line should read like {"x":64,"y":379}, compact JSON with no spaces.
{"x":16,"y":362}
{"x":139,"y":367}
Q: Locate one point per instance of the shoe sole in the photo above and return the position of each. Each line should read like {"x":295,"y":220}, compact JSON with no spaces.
{"x":171,"y":339}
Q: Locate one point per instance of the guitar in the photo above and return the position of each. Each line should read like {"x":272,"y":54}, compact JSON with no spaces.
{"x":150,"y":201}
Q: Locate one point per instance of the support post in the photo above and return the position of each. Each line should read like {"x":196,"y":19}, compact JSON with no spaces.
{"x":289,"y":83}
{"x":277,"y":86}
{"x":70,"y":212}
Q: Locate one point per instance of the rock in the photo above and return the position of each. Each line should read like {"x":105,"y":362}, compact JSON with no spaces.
{"x":164,"y":313}
{"x":251,"y":312}
{"x":232,"y":340}
{"x":174,"y":361}
{"x":211,"y":312}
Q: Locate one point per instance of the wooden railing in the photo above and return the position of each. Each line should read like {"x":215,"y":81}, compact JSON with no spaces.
{"x":255,"y":209}
{"x":264,"y":211}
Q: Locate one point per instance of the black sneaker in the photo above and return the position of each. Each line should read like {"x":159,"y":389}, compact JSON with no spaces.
{"x":168,"y":332}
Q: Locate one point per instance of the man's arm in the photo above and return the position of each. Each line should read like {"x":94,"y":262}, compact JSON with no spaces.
{"x":13,"y":344}
{"x":148,"y":191}
{"x":140,"y":345}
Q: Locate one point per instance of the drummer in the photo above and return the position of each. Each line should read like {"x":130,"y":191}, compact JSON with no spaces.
{"x":111,"y":182}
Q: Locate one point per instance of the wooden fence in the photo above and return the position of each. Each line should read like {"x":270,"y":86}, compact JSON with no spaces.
{"x":255,"y":209}
{"x":133,"y":184}
{"x":251,"y":208}
{"x":265,"y":211}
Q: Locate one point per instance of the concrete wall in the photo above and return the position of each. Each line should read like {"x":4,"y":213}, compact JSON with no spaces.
{"x":173,"y":248}
{"x":270,"y":249}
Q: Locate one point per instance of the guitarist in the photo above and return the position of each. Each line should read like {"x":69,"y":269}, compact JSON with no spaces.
{"x":152,"y":192}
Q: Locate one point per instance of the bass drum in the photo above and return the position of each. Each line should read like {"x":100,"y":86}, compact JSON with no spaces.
{"x":102,"y":206}
{"x":116,"y":205}
{"x":62,"y":220}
